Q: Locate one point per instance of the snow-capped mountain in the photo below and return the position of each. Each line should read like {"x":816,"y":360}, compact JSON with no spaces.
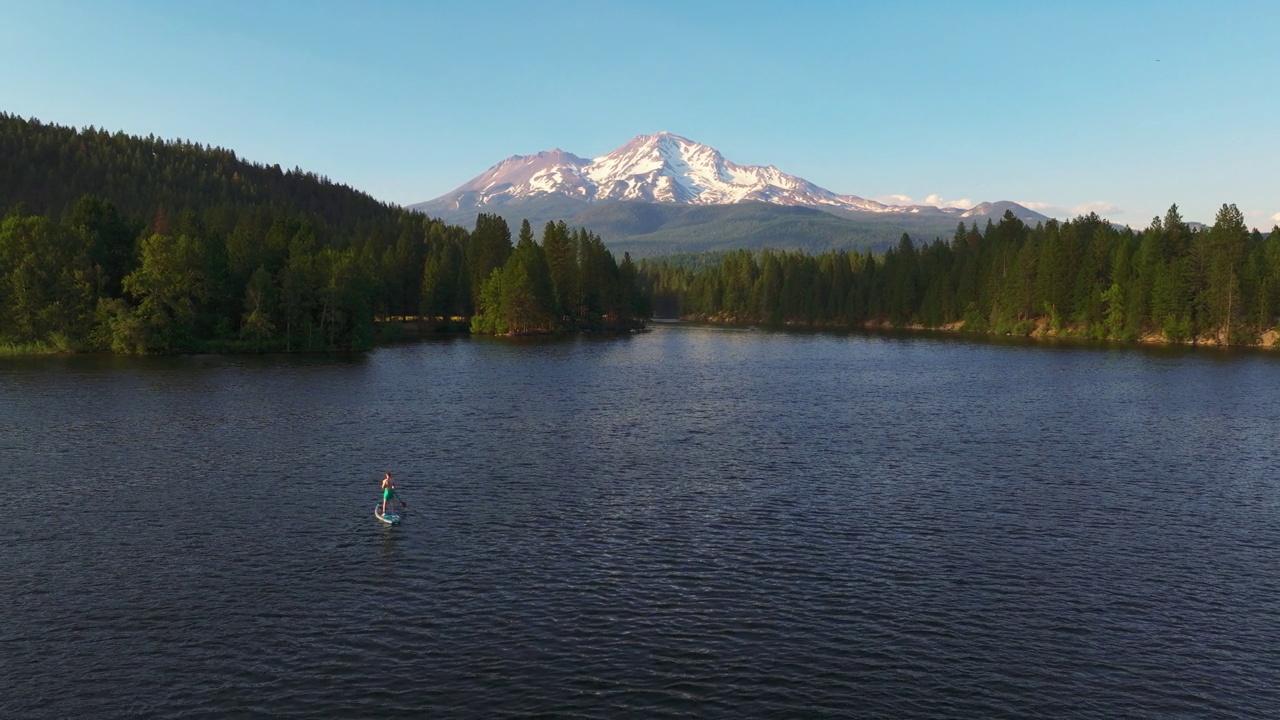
{"x":669,"y":168}
{"x":661,"y":168}
{"x":663,"y":193}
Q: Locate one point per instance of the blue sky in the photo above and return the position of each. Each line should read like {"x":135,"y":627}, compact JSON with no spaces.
{"x":1122,"y":108}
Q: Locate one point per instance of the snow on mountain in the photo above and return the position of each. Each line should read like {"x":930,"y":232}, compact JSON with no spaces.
{"x":660,"y":168}
{"x":554,"y":171}
{"x":669,"y":168}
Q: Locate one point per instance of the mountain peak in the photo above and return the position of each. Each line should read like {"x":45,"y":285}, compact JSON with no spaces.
{"x":663,"y":135}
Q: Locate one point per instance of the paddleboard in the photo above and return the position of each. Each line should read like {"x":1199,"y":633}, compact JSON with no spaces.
{"x":389,"y":518}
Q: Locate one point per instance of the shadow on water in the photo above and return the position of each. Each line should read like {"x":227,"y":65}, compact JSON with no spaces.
{"x":389,"y":544}
{"x":109,"y":363}
{"x":908,"y":336}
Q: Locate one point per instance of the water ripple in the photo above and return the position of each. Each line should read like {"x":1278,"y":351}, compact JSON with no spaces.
{"x":691,"y":523}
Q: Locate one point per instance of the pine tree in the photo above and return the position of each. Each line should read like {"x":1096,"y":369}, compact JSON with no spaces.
{"x":487,"y":250}
{"x":1226,"y":246}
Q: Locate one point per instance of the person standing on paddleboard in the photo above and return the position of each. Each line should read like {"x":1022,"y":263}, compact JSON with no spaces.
{"x":388,"y":491}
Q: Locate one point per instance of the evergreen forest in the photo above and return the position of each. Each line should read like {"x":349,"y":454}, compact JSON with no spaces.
{"x":143,"y":245}
{"x":1085,"y":278}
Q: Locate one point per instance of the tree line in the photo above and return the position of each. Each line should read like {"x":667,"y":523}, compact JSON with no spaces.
{"x":1082,"y":277}
{"x":114,"y":242}
{"x":569,"y":281}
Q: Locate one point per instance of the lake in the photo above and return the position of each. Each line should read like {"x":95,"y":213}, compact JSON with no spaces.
{"x":692,"y":521}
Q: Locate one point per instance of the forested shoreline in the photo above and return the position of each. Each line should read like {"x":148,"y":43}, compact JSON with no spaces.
{"x":1081,"y":278}
{"x":112,"y":242}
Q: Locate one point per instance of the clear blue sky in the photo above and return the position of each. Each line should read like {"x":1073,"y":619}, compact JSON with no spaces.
{"x":1122,"y":107}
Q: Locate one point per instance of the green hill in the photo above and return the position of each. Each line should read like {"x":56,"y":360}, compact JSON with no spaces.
{"x":49,"y":167}
{"x":150,"y":245}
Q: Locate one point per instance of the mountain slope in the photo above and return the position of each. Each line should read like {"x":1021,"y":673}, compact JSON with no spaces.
{"x":649,"y":229}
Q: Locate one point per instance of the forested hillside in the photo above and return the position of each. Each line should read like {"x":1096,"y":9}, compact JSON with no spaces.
{"x":132,"y":244}
{"x":1082,"y":277}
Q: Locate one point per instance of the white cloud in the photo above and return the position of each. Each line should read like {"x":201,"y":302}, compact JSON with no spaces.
{"x":896,"y":200}
{"x":937,"y":201}
{"x":1260,"y":219}
{"x":1102,"y":207}
{"x":1039,"y":207}
{"x":1046,"y":208}
{"x":933,"y":199}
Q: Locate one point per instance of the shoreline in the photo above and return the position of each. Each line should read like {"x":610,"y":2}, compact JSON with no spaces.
{"x":1041,"y":330}
{"x":387,"y":333}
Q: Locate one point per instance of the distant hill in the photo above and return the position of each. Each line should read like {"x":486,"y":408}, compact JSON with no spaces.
{"x":647,"y":229}
{"x":142,"y":245}
{"x":995,"y":210}
{"x":49,"y":167}
{"x":663,"y":193}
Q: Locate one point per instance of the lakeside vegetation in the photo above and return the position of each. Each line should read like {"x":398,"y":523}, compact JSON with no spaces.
{"x":142,"y":245}
{"x":1079,"y":278}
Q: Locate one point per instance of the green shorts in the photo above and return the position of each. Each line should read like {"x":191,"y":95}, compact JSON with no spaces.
{"x":388,"y":494}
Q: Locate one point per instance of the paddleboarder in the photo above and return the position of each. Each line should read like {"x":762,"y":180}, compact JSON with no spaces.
{"x":388,"y":492}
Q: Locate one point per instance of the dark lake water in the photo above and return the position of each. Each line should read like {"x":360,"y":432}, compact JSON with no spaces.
{"x":693,"y":521}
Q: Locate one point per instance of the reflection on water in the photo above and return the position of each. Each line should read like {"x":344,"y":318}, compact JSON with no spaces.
{"x":690,"y":521}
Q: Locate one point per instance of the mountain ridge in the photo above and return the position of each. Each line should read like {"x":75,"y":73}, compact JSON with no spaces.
{"x":659,"y":167}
